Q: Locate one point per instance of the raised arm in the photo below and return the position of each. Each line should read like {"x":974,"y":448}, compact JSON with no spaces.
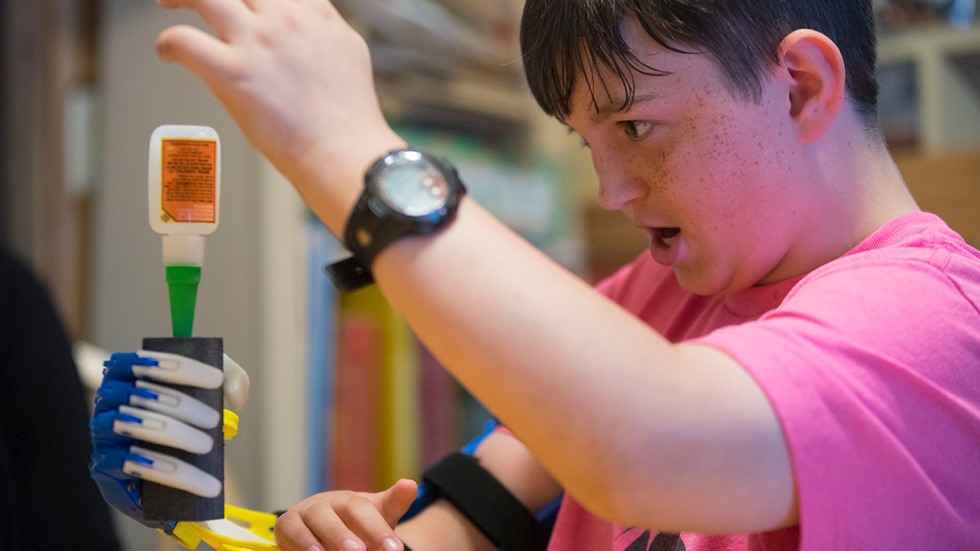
{"x":605,"y":403}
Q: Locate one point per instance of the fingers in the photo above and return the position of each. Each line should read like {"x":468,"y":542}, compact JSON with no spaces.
{"x":284,"y":70}
{"x":396,"y":500}
{"x":162,"y":367}
{"x":177,"y":369}
{"x":226,"y":17}
{"x":169,"y":471}
{"x":317,"y":526}
{"x":347,"y":520}
{"x":201,"y":53}
{"x":161,"y":399}
{"x":148,"y":426}
{"x":130,"y":410}
{"x":124,"y":367}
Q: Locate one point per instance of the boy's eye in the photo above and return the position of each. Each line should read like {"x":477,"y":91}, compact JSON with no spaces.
{"x":583,"y":142}
{"x":636,"y":130}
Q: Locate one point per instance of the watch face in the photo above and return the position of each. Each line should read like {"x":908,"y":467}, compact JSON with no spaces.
{"x":412,"y":185}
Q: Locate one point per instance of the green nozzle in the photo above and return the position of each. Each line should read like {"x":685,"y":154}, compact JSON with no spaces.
{"x":182,"y":281}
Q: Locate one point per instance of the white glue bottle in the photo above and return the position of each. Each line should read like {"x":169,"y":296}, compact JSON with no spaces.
{"x":184,"y":191}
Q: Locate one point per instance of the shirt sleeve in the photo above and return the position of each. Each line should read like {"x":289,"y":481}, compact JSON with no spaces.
{"x":873,"y":368}
{"x":48,"y":499}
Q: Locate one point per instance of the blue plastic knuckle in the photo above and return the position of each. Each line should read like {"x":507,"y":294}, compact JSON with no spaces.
{"x":100,"y":429}
{"x":111,"y":450}
{"x":108,"y":461}
{"x":120,"y":365}
{"x":112,"y":394}
{"x":121,"y":494}
{"x":120,"y":490}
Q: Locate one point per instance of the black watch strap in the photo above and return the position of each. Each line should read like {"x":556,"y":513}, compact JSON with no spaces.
{"x":364,"y":237}
{"x":372,"y":225}
{"x":365,"y":234}
{"x":349,"y":274}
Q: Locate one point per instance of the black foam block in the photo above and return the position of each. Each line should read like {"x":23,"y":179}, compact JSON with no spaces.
{"x":165,"y":503}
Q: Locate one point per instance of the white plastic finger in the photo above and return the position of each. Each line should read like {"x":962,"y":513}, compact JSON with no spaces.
{"x":177,"y":369}
{"x":170,"y":471}
{"x":161,"y":429}
{"x":236,"y":384}
{"x":172,"y":402}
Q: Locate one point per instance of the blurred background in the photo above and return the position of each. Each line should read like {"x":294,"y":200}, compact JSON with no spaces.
{"x":343,"y":395}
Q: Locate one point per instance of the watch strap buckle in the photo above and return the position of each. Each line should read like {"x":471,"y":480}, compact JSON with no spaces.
{"x":349,"y":274}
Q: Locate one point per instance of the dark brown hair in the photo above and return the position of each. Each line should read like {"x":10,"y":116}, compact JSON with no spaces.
{"x":560,"y":38}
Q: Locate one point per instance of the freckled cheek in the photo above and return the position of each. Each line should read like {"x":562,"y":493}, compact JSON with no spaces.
{"x":714,"y":189}
{"x":656,"y":169}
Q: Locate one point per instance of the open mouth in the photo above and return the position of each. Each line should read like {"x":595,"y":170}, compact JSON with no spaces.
{"x":665,"y":237}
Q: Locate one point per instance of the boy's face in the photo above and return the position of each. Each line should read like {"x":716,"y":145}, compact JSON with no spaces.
{"x":707,"y":174}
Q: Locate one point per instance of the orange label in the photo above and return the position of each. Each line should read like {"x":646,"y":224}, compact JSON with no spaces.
{"x":189,"y":180}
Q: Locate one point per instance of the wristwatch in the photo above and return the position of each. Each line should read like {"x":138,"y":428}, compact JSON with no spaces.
{"x":406,"y":192}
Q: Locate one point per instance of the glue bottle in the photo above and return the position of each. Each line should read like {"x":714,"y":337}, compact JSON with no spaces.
{"x":184,"y":191}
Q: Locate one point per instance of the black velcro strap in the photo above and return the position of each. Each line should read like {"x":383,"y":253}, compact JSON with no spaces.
{"x":482,"y":499}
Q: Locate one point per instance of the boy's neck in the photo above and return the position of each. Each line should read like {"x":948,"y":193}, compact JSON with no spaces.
{"x":861,"y":190}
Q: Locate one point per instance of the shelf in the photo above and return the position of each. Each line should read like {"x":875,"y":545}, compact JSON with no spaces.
{"x":485,"y":106}
{"x":939,"y":68}
{"x":924,"y":44}
{"x":947,"y":185}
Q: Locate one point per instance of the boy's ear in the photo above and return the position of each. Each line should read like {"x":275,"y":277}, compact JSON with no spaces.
{"x":816,"y":74}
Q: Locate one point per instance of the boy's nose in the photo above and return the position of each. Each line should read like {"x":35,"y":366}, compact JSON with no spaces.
{"x":619,"y":188}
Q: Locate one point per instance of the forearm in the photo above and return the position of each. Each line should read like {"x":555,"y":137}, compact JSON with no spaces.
{"x":533,"y":343}
{"x":442,"y":526}
{"x":330,"y":181}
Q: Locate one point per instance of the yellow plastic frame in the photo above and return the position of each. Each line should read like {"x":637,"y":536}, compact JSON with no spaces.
{"x":191,"y":534}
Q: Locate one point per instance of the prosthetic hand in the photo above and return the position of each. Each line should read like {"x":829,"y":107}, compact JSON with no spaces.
{"x":130,"y":408}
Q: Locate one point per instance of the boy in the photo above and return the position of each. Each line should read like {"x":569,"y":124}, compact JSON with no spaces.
{"x":793,"y":366}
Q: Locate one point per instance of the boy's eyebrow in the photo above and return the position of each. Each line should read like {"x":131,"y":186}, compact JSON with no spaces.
{"x":611,"y":107}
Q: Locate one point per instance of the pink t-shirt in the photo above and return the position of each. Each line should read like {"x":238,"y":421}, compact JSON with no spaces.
{"x":872,"y":363}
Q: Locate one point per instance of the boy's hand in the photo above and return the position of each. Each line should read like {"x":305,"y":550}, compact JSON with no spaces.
{"x":298,"y":81}
{"x":349,"y":521}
